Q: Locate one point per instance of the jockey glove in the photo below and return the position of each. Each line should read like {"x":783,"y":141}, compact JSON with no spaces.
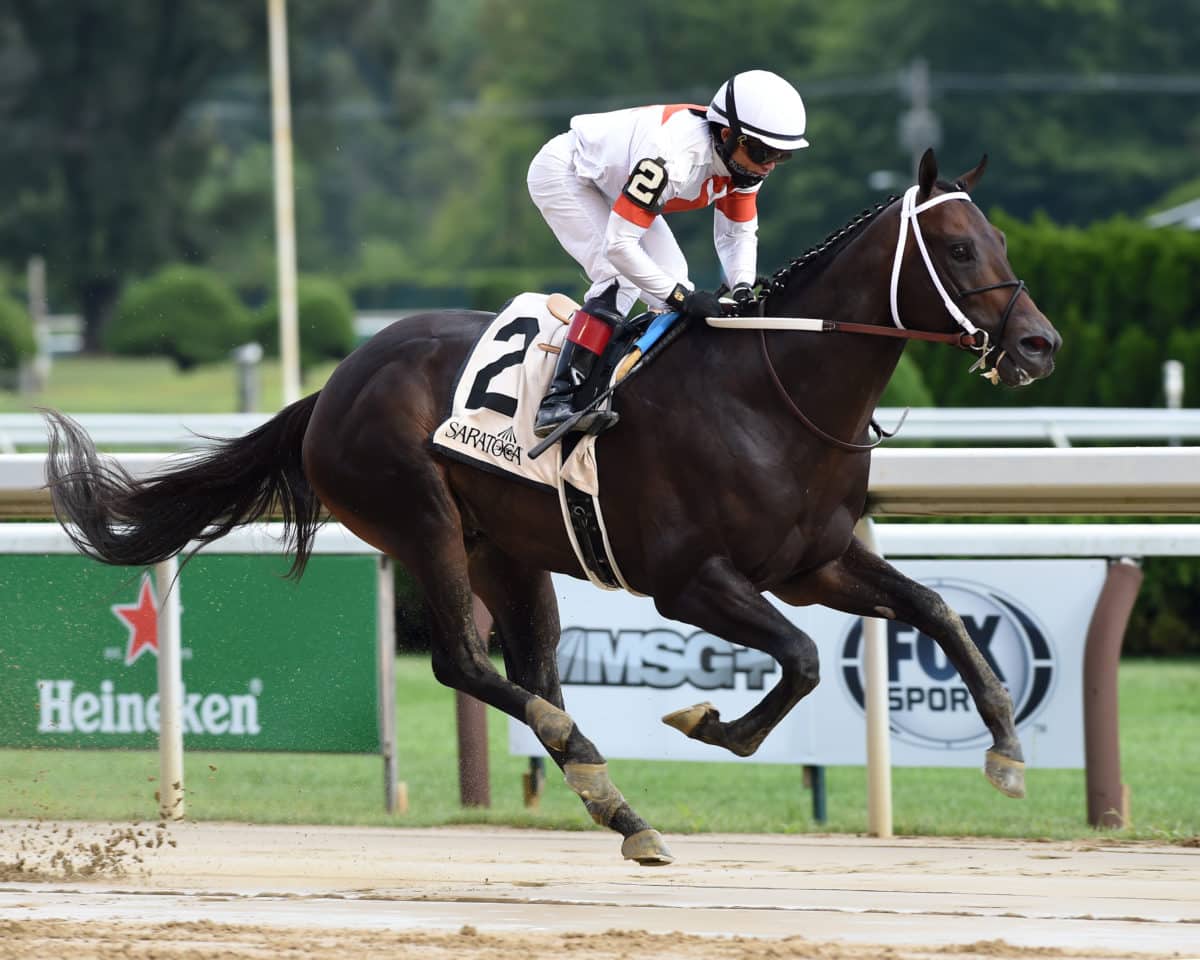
{"x":741,"y":294}
{"x":694,"y":303}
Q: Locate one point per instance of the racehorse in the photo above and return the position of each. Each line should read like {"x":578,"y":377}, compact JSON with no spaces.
{"x":740,"y":467}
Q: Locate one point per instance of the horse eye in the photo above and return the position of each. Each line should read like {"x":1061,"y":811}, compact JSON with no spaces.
{"x":960,"y":251}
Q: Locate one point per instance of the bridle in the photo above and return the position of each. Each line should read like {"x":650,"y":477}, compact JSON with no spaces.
{"x":909,"y":211}
{"x":972,"y":338}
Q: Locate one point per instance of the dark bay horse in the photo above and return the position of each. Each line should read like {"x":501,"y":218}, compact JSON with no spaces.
{"x":738,"y":468}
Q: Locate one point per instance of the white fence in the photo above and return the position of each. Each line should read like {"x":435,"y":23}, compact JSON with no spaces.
{"x":1059,"y":426}
{"x":1109,"y":481}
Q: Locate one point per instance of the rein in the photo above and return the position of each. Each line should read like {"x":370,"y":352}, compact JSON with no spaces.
{"x":803,"y":418}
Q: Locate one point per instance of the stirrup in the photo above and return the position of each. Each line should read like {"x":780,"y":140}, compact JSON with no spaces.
{"x":596,"y":422}
{"x":550,"y":416}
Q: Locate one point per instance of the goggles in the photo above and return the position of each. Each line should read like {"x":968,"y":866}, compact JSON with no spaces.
{"x":760,"y":153}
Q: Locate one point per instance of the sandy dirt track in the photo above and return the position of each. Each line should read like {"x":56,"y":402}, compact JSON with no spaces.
{"x":227,"y":890}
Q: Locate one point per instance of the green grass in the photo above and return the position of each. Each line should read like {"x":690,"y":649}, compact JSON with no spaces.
{"x":1160,"y":757}
{"x":81,"y":384}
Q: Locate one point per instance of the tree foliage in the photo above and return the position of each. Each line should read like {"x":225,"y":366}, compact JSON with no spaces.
{"x":135,"y":132}
{"x":139,"y":133}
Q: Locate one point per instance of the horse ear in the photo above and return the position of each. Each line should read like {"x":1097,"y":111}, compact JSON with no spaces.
{"x":972,"y":177}
{"x":926,"y":174}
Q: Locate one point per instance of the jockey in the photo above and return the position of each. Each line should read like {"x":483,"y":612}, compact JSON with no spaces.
{"x":602,"y":185}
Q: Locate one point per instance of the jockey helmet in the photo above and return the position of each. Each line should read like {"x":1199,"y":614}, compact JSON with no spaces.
{"x":764,"y":113}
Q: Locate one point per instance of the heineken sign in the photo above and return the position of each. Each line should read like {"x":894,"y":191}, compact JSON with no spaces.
{"x":268,"y":663}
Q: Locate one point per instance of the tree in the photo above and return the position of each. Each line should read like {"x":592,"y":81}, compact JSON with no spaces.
{"x":97,"y":145}
{"x":138,"y":133}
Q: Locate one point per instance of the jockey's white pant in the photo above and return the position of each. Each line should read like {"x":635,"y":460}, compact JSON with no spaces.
{"x":577,"y":212}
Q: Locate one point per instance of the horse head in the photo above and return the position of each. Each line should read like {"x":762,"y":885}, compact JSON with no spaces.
{"x":961,"y":256}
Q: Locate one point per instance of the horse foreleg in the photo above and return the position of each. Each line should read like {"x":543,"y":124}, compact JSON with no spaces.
{"x":521,"y":599}
{"x":861,"y":583}
{"x":722,"y":601}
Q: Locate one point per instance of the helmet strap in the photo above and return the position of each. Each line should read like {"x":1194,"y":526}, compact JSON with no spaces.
{"x":742,"y":177}
{"x":727,"y":146}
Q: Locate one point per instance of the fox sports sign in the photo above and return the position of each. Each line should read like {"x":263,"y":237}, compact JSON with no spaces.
{"x":928,"y":702}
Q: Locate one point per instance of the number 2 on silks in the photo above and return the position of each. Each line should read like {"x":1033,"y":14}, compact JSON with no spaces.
{"x":646,"y":182}
{"x":502,"y":403}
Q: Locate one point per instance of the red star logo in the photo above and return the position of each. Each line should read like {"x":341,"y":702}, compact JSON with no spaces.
{"x":142,"y":620}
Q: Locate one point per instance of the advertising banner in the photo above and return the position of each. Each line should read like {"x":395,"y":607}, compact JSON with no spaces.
{"x":624,"y":666}
{"x":268,"y":663}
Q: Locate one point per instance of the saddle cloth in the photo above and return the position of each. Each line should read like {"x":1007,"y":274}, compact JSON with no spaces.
{"x":498,"y":393}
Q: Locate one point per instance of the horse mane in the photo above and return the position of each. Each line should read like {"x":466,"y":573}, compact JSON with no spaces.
{"x":813,"y":261}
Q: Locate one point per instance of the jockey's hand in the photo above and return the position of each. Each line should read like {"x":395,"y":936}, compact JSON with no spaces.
{"x":694,"y":303}
{"x":741,"y":296}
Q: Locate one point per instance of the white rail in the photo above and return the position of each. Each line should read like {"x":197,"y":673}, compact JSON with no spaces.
{"x":1108,"y":481}
{"x":154,"y":430}
{"x":1058,"y":426}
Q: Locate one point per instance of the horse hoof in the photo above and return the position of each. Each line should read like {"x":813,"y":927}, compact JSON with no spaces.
{"x":647,"y":848}
{"x":1006,"y":775}
{"x":689,"y":718}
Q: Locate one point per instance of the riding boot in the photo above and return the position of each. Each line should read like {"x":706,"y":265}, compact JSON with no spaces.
{"x":591,"y":329}
{"x":556,"y":404}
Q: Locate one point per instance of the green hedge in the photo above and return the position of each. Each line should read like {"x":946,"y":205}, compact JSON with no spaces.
{"x":16,"y":334}
{"x":186,"y":313}
{"x":325,"y":318}
{"x":1125,"y":298}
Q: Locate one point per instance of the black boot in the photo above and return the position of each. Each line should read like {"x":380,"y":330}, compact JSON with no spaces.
{"x":556,"y":404}
{"x":575,"y":364}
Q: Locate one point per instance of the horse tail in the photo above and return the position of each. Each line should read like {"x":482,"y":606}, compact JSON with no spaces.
{"x":117,"y":519}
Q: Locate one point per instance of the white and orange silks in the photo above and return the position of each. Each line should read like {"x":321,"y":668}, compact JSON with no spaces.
{"x":577,"y":182}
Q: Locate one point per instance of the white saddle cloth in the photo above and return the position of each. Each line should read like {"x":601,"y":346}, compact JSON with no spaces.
{"x":497,"y":396}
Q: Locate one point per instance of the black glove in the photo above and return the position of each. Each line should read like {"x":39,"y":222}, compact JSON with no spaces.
{"x":694,"y":303}
{"x":741,"y":294}
{"x":738,"y":300}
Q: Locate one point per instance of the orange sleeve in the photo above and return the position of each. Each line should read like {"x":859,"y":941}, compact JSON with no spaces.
{"x":626,"y":209}
{"x":741,"y":207}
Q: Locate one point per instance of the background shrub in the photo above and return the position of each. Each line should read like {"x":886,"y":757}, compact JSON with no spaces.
{"x":186,"y":313}
{"x":1124,"y":296}
{"x":326,"y":321}
{"x":16,"y":334}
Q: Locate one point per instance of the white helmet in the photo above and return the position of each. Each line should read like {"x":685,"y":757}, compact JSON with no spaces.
{"x":763,"y":106}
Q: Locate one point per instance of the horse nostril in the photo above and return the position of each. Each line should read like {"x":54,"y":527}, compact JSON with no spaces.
{"x":1035,"y":345}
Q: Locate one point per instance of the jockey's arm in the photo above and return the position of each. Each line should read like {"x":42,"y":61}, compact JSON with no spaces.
{"x":737,"y":247}
{"x":623,"y":249}
{"x":632,"y":215}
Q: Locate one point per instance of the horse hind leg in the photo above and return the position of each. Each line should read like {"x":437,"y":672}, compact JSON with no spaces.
{"x":723,"y":602}
{"x":522,"y":601}
{"x":397,"y":499}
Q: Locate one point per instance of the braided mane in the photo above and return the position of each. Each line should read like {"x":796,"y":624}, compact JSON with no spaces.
{"x":814,"y":259}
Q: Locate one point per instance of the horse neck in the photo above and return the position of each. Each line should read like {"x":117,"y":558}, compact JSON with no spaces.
{"x":838,"y":378}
